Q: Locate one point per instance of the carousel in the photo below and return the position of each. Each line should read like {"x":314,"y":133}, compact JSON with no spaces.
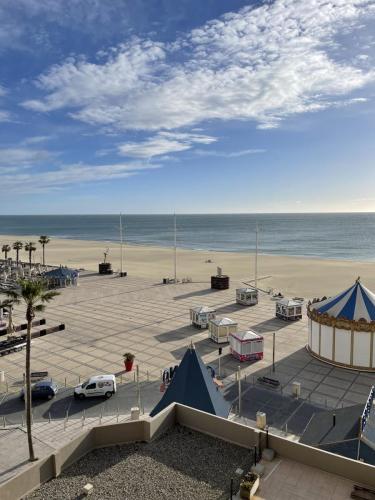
{"x":200,"y":316}
{"x":341,"y":328}
{"x":220,"y":329}
{"x":247,"y":296}
{"x":246,"y":346}
{"x":289,"y":309}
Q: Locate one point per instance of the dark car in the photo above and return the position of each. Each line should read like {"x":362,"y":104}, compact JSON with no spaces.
{"x":45,"y":389}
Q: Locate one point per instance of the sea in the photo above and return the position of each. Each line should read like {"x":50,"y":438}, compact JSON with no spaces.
{"x":329,"y":236}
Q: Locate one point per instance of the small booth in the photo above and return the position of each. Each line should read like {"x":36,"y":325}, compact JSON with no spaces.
{"x":220,"y":281}
{"x":289,"y":309}
{"x":247,"y":296}
{"x":220,"y":328}
{"x":246,"y":346}
{"x":200,"y":316}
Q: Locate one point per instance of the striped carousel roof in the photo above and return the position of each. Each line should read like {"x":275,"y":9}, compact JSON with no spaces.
{"x":355,"y":303}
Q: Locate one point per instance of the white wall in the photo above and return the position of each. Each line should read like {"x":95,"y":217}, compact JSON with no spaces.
{"x":315,"y":337}
{"x":361,"y":348}
{"x":326,"y":341}
{"x":342,"y":346}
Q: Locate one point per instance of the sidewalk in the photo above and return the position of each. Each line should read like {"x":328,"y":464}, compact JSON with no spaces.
{"x":47,"y":437}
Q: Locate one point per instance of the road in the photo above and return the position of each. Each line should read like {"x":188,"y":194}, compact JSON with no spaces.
{"x":64,"y":403}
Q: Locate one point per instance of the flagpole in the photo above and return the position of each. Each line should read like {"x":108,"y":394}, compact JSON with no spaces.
{"x":256,"y":258}
{"x":175,"y":248}
{"x":121,"y":247}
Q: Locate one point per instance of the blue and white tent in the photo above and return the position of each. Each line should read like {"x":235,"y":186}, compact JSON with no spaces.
{"x":355,"y":303}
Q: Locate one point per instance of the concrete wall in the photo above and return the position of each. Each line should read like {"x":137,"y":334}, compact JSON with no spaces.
{"x":246,"y":436}
{"x":149,"y":428}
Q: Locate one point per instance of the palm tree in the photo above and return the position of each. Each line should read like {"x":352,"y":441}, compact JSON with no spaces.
{"x":8,"y":304}
{"x":6,"y":249}
{"x":17,"y":246}
{"x":44,"y":240}
{"x":35,"y":295}
{"x":30,"y":247}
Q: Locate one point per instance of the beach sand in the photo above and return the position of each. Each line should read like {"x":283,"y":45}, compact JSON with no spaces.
{"x":300,"y":276}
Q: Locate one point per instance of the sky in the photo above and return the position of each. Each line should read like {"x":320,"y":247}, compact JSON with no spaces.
{"x":155,"y":106}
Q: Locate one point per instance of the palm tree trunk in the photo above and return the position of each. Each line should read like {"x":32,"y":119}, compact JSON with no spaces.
{"x":10,"y":321}
{"x":30,"y":258}
{"x":28,"y":391}
{"x":17,"y":251}
{"x":43,"y":256}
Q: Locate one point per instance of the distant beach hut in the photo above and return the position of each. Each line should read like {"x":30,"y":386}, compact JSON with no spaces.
{"x":247,"y":296}
{"x":200,"y":316}
{"x":220,"y":328}
{"x":61,"y":277}
{"x":246,"y":346}
{"x":289,"y":309}
{"x":341,"y":329}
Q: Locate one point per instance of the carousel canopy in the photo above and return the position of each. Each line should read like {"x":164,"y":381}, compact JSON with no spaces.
{"x":62,"y":273}
{"x":223,"y":322}
{"x":192,"y":385}
{"x":355,"y":303}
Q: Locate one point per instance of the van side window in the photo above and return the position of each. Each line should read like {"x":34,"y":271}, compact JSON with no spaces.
{"x":91,"y":386}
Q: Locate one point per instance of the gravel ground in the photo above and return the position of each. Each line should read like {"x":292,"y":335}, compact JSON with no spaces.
{"x":181,"y":464}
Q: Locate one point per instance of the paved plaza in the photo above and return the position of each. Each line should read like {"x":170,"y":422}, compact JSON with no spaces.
{"x":106,"y":316}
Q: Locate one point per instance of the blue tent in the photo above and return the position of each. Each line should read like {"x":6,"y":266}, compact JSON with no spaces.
{"x":357,"y":302}
{"x":61,"y":273}
{"x":192,"y":385}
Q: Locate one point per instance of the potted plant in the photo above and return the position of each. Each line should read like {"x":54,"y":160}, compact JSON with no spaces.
{"x":128,"y":361}
{"x":249,"y":485}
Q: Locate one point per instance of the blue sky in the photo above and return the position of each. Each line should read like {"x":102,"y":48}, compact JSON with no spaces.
{"x":150,"y":106}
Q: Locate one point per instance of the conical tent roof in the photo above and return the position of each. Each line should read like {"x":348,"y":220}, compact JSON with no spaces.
{"x":192,"y":385}
{"x":355,"y":303}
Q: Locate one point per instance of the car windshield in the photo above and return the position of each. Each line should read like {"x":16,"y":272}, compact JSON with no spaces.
{"x":85,"y":383}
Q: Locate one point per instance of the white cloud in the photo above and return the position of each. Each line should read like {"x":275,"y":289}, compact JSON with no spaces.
{"x":66,"y":175}
{"x":231,"y":154}
{"x":260,"y":64}
{"x":164,"y":143}
{"x":21,"y":157}
{"x":36,"y":139}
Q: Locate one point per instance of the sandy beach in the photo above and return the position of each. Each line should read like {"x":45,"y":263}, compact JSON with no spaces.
{"x":292,"y":275}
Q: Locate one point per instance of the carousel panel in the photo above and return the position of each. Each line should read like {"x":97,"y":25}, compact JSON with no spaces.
{"x":326,"y":338}
{"x":361,"y":348}
{"x":309,"y":331}
{"x":315,"y":327}
{"x":343,"y":346}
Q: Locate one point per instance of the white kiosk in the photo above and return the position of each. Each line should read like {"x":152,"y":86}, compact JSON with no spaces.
{"x":200,"y":316}
{"x":220,"y":329}
{"x":289,"y":309}
{"x":246,"y":346}
{"x":247,"y":296}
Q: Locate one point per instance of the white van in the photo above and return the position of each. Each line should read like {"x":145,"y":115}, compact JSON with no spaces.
{"x":99,"y":385}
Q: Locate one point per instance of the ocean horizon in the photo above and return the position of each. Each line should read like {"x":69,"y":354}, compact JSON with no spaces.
{"x":347,"y":236}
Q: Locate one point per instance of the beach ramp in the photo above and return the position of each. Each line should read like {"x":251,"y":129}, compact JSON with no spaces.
{"x":192,"y":385}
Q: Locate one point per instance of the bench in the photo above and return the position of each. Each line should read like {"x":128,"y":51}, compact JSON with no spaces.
{"x":269,"y":381}
{"x":35,"y":376}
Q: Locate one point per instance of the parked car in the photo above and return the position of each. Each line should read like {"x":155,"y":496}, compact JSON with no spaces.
{"x":45,"y":389}
{"x":99,"y":385}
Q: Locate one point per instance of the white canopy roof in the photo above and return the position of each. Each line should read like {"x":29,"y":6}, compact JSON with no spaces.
{"x":246,"y":336}
{"x":223,"y":322}
{"x":202,"y":309}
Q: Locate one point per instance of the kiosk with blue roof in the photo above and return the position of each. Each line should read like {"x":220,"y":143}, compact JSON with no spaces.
{"x":342,"y":328}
